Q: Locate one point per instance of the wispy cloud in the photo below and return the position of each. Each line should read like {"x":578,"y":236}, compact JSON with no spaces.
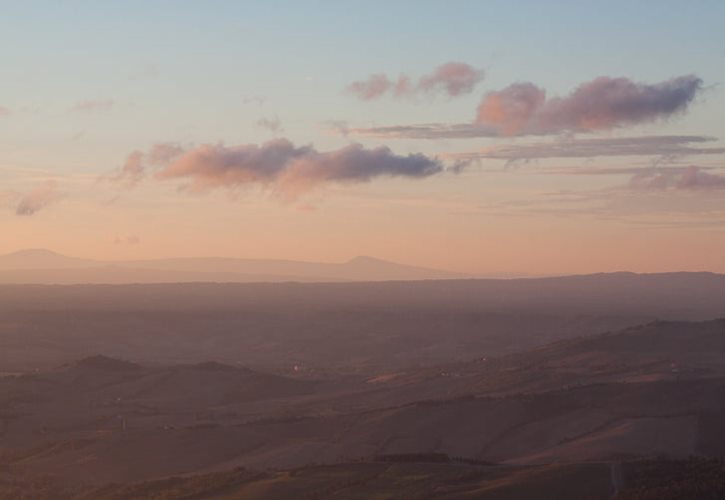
{"x":616,"y":170}
{"x":93,"y":106}
{"x":670,"y":146}
{"x":38,"y":198}
{"x":9,"y":198}
{"x":272,"y":124}
{"x":4,"y":111}
{"x":254,"y":99}
{"x":336,"y":127}
{"x":628,"y":204}
{"x":281,"y":167}
{"x":423,"y":131}
{"x":129,"y":239}
{"x":130,"y":173}
{"x":134,"y":168}
{"x":375,"y":86}
{"x":452,"y":79}
{"x":689,"y":178}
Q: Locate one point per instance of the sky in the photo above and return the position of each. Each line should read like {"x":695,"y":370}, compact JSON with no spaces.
{"x":492,"y":137}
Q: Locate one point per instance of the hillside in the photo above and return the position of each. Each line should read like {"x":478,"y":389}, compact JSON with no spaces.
{"x":364,"y":329}
{"x":565,"y":402}
{"x":657,"y":351}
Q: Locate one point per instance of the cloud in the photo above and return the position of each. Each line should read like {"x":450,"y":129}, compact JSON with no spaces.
{"x":130,"y":239}
{"x":9,"y":198}
{"x":375,"y":86}
{"x":524,"y":109}
{"x":93,"y":106}
{"x":41,"y":196}
{"x":258,"y":100}
{"x":690,"y":178}
{"x":655,"y":206}
{"x":338,"y":127}
{"x":424,"y":131}
{"x":131,"y":173}
{"x":163,"y":152}
{"x":606,"y":170}
{"x":511,"y":109}
{"x":452,"y":78}
{"x":669,"y":146}
{"x":695,"y":178}
{"x":271,"y":124}
{"x":133,"y":170}
{"x":4,"y":111}
{"x":285,"y":169}
{"x":601,"y":104}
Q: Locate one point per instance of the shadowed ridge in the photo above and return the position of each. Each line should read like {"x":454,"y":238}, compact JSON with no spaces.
{"x":366,"y":259}
{"x":364,"y":267}
{"x":45,"y":266}
{"x":41,"y":258}
{"x":100,"y":362}
{"x":34,"y":253}
{"x":215,"y":366}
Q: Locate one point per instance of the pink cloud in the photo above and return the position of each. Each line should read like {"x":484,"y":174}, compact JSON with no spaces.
{"x":453,"y":79}
{"x":690,"y":178}
{"x":39,"y":197}
{"x":164,"y":152}
{"x":129,"y":239}
{"x":131,"y":173}
{"x":601,"y":104}
{"x":695,"y":178}
{"x":9,"y":198}
{"x":375,"y":86}
{"x":512,"y":109}
{"x":279,"y":166}
{"x":133,"y":170}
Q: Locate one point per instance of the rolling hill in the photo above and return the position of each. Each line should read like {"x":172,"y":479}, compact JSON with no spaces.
{"x":87,"y":417}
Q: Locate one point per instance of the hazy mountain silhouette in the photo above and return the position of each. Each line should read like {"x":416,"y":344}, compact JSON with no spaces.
{"x":39,"y":266}
{"x":40,"y":258}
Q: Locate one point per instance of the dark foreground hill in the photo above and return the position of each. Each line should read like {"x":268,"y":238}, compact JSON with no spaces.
{"x":657,"y":390}
{"x":651,"y":479}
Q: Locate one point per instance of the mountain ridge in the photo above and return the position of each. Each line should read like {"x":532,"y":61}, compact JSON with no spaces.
{"x":43,"y":266}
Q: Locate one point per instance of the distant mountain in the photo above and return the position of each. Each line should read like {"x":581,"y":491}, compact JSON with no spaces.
{"x":39,"y":258}
{"x":357,"y":269}
{"x":119,"y":274}
{"x":38,"y":266}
